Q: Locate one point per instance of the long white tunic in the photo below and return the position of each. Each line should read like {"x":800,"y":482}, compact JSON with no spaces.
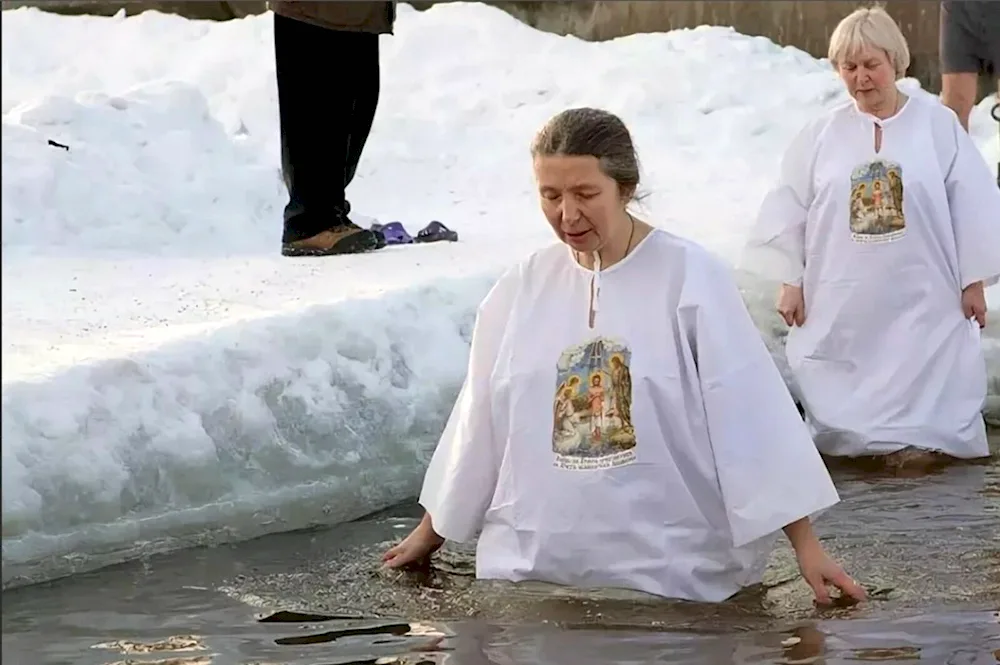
{"x":658,"y":451}
{"x":883,"y":244}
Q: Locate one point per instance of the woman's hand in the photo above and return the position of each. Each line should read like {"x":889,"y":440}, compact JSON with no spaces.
{"x":819,"y":570}
{"x":416,"y":547}
{"x":791,"y":306}
{"x":974,"y":303}
{"x":816,"y":566}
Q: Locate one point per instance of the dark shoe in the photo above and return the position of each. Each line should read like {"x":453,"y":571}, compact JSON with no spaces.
{"x":436,"y":232}
{"x":379,"y":237}
{"x":394,"y":233}
{"x":345,"y":238}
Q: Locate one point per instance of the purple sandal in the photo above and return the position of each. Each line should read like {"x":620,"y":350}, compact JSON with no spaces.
{"x":394,"y":233}
{"x":436,"y":232}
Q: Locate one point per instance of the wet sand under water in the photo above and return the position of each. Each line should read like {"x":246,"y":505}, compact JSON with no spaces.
{"x":928,"y":548}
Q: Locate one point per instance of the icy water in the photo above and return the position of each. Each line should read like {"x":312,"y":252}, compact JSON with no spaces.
{"x":927,"y":547}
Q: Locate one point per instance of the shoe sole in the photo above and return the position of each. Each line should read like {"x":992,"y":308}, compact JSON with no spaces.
{"x":350,"y":245}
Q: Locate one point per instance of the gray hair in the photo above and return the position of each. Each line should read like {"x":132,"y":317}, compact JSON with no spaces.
{"x":870,"y":27}
{"x":594,"y":133}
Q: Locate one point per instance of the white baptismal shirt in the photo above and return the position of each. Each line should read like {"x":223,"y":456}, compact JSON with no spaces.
{"x":658,"y":451}
{"x":883,"y":244}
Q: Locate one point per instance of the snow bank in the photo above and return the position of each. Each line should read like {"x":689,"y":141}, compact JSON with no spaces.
{"x":317,"y":417}
{"x":169,"y":379}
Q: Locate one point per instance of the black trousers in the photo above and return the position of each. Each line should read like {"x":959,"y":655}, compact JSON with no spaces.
{"x":328,"y":88}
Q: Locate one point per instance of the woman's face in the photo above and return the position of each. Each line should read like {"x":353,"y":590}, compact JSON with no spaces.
{"x":581,"y":203}
{"x":869,"y":77}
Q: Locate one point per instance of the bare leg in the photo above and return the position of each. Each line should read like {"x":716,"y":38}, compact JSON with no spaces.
{"x":962,"y":54}
{"x":958,"y":92}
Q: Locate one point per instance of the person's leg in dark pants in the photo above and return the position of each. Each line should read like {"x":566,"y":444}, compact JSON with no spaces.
{"x":367,"y":83}
{"x":322,"y":76}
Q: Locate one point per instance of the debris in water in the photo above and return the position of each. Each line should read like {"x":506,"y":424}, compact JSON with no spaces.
{"x":287,"y":616}
{"x":394,"y":629}
{"x":176,"y":643}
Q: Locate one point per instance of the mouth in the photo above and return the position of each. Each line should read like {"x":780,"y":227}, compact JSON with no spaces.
{"x":578,"y":235}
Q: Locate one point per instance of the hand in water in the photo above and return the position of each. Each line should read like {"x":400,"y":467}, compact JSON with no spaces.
{"x":415,"y":548}
{"x":819,"y":570}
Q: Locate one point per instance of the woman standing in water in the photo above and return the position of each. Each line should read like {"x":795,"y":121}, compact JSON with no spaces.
{"x":682,"y":493}
{"x":885,"y":230}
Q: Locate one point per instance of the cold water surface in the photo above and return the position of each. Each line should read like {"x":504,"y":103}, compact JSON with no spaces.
{"x":927,"y":547}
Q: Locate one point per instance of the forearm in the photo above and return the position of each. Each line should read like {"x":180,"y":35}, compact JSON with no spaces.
{"x":800,"y":534}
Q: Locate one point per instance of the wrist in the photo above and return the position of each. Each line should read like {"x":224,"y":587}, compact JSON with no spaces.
{"x":801,"y":536}
{"x":426,"y":528}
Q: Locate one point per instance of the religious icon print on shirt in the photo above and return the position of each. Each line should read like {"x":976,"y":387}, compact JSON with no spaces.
{"x":593,"y":406}
{"x":877,"y":202}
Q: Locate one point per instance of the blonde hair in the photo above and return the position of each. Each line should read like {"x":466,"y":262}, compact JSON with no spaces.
{"x":870,"y":27}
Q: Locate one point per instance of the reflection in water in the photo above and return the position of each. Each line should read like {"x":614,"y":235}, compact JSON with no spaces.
{"x":196,"y":660}
{"x":846,"y":644}
{"x":890,"y":654}
{"x":806,"y":645}
{"x":396,"y":629}
{"x":374,"y":630}
{"x":919,"y":539}
{"x":925,"y":547}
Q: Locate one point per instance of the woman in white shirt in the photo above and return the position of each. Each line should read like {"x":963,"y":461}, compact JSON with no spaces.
{"x":885,"y":229}
{"x":622,"y":423}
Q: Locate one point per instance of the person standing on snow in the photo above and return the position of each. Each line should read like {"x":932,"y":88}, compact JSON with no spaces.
{"x":884,"y":229}
{"x":969,"y":44}
{"x":327,"y":68}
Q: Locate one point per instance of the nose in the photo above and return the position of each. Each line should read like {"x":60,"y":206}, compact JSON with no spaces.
{"x":569,"y":209}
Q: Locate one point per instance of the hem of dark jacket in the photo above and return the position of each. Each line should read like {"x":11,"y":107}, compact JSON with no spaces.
{"x":288,"y":10}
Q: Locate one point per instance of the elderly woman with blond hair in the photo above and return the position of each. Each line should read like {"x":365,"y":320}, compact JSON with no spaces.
{"x":884,"y":229}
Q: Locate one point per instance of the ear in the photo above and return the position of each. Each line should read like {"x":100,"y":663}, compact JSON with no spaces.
{"x":626,"y":194}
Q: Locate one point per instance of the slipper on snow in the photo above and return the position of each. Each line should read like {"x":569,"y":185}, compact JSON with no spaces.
{"x":436,"y":232}
{"x":394,"y":233}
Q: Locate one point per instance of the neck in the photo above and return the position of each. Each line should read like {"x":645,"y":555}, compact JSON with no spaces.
{"x":888,"y":107}
{"x":615,"y":249}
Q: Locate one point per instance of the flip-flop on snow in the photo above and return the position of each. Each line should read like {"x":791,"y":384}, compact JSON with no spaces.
{"x":394,"y":233}
{"x":436,"y":232}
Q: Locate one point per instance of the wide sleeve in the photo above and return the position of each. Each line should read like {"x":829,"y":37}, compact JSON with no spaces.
{"x":775,"y":247}
{"x":462,"y":474}
{"x":769,"y":469}
{"x":974,"y":203}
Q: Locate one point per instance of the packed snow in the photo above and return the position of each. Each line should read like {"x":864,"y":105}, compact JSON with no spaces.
{"x":169,"y":379}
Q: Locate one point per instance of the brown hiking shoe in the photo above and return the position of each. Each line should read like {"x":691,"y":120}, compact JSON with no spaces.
{"x":342,"y":239}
